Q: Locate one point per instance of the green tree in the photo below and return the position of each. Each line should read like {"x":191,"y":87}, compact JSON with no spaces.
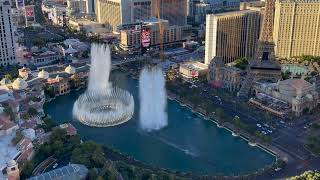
{"x":237,"y":121}
{"x":49,"y":91}
{"x":85,"y":54}
{"x":32,"y":111}
{"x":9,"y":112}
{"x":48,"y":124}
{"x":171,"y":75}
{"x":220,"y":114}
{"x":285,"y":75}
{"x":308,"y":175}
{"x":35,"y":99}
{"x":27,"y":170}
{"x":17,"y":138}
{"x":39,"y":42}
{"x":241,"y":63}
{"x":9,"y":76}
{"x":90,"y":154}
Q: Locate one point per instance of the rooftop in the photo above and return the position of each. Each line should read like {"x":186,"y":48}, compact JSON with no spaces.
{"x":71,"y":171}
{"x":5,"y":123}
{"x":296,"y":83}
{"x":195,"y":65}
{"x":233,"y":13}
{"x":232,"y":68}
{"x":7,"y":150}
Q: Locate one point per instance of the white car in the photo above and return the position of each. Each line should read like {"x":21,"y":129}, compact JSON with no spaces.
{"x":269,"y":131}
{"x":259,"y":125}
{"x":55,"y":165}
{"x":282,"y":122}
{"x":277,"y":169}
{"x":263,"y":132}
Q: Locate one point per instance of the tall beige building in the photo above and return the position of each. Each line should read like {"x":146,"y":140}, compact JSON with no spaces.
{"x":231,"y":35}
{"x":297,"y":28}
{"x":113,"y":13}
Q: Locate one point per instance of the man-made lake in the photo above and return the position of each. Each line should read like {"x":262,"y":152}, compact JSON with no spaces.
{"x":189,"y":143}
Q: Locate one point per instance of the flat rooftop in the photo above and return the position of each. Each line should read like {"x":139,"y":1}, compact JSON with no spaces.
{"x":195,"y":65}
{"x":232,"y":13}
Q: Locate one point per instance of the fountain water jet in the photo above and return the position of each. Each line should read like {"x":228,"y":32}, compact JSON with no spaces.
{"x":102,"y":105}
{"x":153,"y":99}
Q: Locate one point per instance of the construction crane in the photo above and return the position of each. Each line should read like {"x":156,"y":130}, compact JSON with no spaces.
{"x":161,"y":26}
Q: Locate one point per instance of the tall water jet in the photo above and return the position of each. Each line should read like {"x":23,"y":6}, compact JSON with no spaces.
{"x":153,"y":99}
{"x":102,"y":105}
{"x":100,"y":68}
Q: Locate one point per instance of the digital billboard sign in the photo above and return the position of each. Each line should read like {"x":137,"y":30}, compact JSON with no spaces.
{"x":146,"y":37}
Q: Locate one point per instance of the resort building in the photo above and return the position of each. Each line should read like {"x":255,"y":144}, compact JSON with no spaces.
{"x":299,"y":94}
{"x":193,"y":69}
{"x":90,"y":7}
{"x":130,"y":38}
{"x":199,"y":9}
{"x":57,"y":13}
{"x":60,"y":85}
{"x":7,"y":39}
{"x":222,"y":76}
{"x":114,"y":13}
{"x":75,"y":7}
{"x":87,"y":26}
{"x":231,"y":35}
{"x":44,"y":58}
{"x":296,"y":29}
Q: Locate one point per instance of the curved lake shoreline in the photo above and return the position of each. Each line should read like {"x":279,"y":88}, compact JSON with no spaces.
{"x":190,"y":143}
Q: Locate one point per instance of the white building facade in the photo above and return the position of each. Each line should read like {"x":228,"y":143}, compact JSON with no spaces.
{"x":7,"y":40}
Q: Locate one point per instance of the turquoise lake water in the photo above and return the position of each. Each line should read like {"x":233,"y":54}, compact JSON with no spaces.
{"x":189,"y":143}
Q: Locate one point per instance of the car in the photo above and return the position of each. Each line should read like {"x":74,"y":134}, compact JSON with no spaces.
{"x":263,"y":132}
{"x":55,"y":165}
{"x":259,"y":125}
{"x":269,"y":131}
{"x":282,"y":122}
{"x":277,"y":169}
{"x":266,"y":125}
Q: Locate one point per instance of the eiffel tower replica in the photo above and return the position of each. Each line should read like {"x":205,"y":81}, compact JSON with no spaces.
{"x":263,"y":67}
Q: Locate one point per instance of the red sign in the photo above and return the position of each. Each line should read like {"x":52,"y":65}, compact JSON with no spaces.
{"x":30,"y":13}
{"x":194,"y":73}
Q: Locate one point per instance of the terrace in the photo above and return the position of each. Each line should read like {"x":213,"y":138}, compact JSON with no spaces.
{"x":273,"y":105}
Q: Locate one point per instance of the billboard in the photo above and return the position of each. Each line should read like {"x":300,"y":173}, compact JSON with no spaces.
{"x":20,"y":4}
{"x":146,"y":37}
{"x":194,"y":73}
{"x":30,"y":17}
{"x":50,"y":16}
